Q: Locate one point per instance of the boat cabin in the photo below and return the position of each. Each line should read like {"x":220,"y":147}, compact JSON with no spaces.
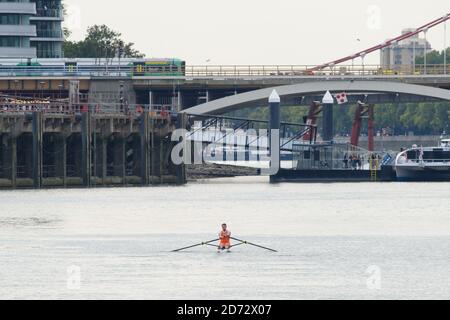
{"x":445,"y":143}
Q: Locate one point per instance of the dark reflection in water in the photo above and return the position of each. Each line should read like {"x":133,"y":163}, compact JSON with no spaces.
{"x":27,"y":222}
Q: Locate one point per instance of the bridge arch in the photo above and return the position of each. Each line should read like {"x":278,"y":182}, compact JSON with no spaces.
{"x":242,"y":100}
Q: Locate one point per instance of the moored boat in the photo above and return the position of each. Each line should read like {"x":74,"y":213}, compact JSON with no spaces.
{"x":424,"y":163}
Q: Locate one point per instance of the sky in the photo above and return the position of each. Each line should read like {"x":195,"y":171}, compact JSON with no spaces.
{"x":242,"y":32}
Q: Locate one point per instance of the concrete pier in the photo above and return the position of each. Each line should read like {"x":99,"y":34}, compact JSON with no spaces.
{"x":88,"y":149}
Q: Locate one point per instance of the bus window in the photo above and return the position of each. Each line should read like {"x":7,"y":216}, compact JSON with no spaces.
{"x":70,"y":66}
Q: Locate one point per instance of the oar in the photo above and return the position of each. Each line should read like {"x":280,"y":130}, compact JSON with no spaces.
{"x":196,"y":245}
{"x":255,"y":245}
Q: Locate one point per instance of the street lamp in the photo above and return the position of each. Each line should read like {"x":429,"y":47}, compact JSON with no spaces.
{"x":207,"y":64}
{"x":60,"y":86}
{"x":332,"y":65}
{"x":362,"y":55}
{"x":61,"y":108}
{"x":445,"y":43}
{"x":42,"y":84}
{"x":120,"y":51}
{"x":414,"y":56}
{"x":425,"y":52}
{"x":16,"y":85}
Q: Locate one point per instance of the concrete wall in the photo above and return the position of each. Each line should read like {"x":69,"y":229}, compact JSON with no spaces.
{"x":110,"y":92}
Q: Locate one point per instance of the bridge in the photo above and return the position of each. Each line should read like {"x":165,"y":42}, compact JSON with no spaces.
{"x":182,"y":92}
{"x":109,"y":81}
{"x":106,"y":125}
{"x":367,"y":91}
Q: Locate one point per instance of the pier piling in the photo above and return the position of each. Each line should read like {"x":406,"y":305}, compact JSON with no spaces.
{"x":37,"y":133}
{"x":84,"y":149}
{"x":86,"y":135}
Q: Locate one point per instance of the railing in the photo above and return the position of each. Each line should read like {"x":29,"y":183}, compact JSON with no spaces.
{"x":305,"y":70}
{"x":45,"y":71}
{"x":424,"y":161}
{"x":155,"y":111}
{"x":72,"y":172}
{"x":49,"y":171}
{"x":337,"y":156}
{"x":49,"y":13}
{"x":229,"y":71}
{"x":44,"y":33}
{"x":120,"y":170}
{"x":46,"y":54}
{"x":21,"y":172}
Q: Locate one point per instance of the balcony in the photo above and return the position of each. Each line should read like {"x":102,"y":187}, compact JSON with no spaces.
{"x":18,"y":7}
{"x":18,"y":30}
{"x":48,"y":15}
{"x":45,"y":33}
{"x":17,"y":52}
{"x":49,"y":54}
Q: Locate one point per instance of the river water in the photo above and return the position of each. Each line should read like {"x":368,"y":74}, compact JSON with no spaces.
{"x":335,"y":241}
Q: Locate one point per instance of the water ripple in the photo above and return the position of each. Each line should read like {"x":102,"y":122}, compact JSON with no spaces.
{"x":27,"y":222}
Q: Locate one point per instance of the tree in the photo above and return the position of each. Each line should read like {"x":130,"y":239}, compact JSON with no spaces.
{"x":420,"y":118}
{"x":66,"y":31}
{"x":101,"y":42}
{"x":434,"y":57}
{"x":426,"y":118}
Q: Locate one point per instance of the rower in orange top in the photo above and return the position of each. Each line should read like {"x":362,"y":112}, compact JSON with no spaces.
{"x":224,"y":236}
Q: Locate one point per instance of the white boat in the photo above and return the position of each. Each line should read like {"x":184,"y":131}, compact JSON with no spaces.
{"x":424,"y":163}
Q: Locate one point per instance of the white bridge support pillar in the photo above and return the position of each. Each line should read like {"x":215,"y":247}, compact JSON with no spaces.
{"x":274,"y":131}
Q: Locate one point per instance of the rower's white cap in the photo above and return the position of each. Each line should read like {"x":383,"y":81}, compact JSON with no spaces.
{"x":274,"y":97}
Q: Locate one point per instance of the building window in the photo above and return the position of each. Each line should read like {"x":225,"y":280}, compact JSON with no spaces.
{"x":10,"y":42}
{"x":48,"y":29}
{"x":49,"y":8}
{"x":47,"y":49}
{"x":9,"y":19}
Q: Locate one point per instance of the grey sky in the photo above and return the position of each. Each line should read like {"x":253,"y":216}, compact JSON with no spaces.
{"x":257,"y":31}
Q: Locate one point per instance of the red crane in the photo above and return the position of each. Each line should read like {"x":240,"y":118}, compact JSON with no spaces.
{"x":314,"y":111}
{"x":363,"y":111}
{"x":385,"y":44}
